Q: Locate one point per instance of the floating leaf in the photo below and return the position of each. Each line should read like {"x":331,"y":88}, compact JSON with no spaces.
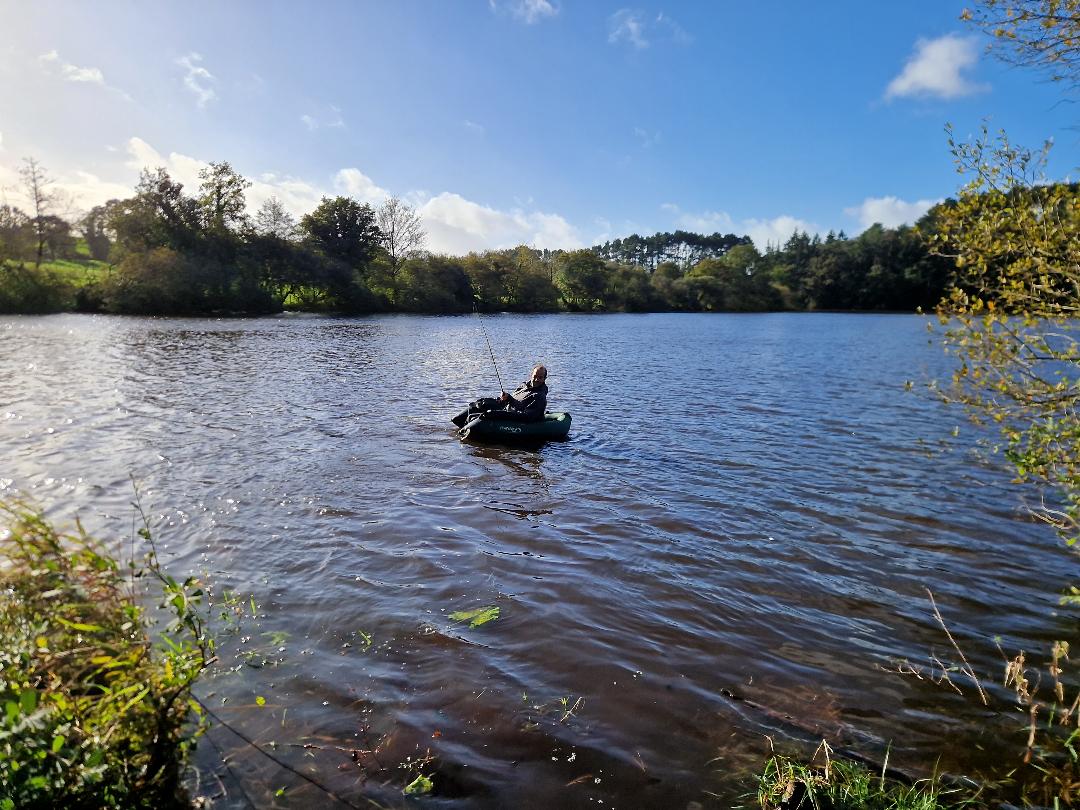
{"x":419,"y":786}
{"x":477,"y":617}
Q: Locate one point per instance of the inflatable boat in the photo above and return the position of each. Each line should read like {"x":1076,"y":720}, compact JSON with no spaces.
{"x":490,"y":427}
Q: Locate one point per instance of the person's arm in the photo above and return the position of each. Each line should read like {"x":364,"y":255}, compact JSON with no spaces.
{"x":531,"y":405}
{"x":511,"y":401}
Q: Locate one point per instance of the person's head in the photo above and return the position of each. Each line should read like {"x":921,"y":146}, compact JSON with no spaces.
{"x":539,"y":376}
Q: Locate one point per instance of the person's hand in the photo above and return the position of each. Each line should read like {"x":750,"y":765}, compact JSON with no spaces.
{"x":503,"y":396}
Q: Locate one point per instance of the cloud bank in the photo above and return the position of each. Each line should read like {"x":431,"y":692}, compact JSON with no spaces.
{"x":764,"y":232}
{"x":891,"y":212}
{"x":454,"y":224}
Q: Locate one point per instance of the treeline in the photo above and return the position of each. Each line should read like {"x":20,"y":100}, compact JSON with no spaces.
{"x":169,"y":252}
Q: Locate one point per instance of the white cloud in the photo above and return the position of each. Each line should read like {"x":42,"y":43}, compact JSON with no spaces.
{"x":197,"y":79}
{"x":776,"y":231}
{"x":456,"y":225}
{"x":332,"y":120}
{"x":87,"y":190}
{"x":354,"y":183}
{"x":1,"y":141}
{"x":52,"y":63}
{"x":936,"y":68}
{"x":298,"y":196}
{"x":646,"y":138}
{"x":889,"y":211}
{"x":75,"y":191}
{"x":182,"y":168}
{"x":530,"y":11}
{"x":69,"y":72}
{"x":631,"y":27}
{"x":626,"y":25}
{"x":764,"y":232}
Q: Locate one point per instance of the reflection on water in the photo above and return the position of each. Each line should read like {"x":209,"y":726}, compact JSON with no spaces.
{"x":735,"y":541}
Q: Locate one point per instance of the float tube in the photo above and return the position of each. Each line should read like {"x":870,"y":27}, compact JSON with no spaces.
{"x":488,"y":427}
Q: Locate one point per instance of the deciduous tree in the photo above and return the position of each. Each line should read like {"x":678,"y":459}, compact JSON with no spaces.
{"x":1012,"y":318}
{"x":95,"y":230}
{"x":343,"y":229}
{"x":1011,"y":321}
{"x":273,"y":219}
{"x":1043,"y":34}
{"x":582,"y":278}
{"x":38,"y":187}
{"x":222,"y":197}
{"x":402,"y":230}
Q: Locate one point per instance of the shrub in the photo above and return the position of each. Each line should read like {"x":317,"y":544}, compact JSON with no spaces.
{"x":94,"y":712}
{"x":29,"y":290}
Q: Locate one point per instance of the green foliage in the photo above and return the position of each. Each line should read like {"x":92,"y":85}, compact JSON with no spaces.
{"x":159,"y":215}
{"x":630,"y":290}
{"x":489,"y":274}
{"x":582,"y":278}
{"x":736,"y":282}
{"x":32,"y":290}
{"x":436,"y":284}
{"x":1043,"y":34}
{"x":787,"y":784}
{"x":476,"y":617}
{"x":94,"y":713}
{"x":681,"y":248}
{"x":343,"y":229}
{"x":176,"y":254}
{"x":221,"y":198}
{"x":419,"y":786}
{"x":1011,"y":321}
{"x":95,"y":234}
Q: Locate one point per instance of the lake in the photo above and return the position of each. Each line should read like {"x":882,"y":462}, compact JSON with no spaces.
{"x":733,"y":546}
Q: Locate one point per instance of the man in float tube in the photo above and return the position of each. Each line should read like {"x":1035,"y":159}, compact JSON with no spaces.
{"x":527,"y":404}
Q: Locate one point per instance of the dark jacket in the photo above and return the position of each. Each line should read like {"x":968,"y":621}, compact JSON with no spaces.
{"x":529,"y":401}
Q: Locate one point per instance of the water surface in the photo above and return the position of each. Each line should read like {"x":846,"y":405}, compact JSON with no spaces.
{"x":734,"y":545}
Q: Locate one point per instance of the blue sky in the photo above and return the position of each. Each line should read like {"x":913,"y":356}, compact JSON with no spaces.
{"x":555,"y":123}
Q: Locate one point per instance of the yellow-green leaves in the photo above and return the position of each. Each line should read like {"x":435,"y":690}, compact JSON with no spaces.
{"x":419,"y":786}
{"x":477,"y":617}
{"x":1013,"y":320}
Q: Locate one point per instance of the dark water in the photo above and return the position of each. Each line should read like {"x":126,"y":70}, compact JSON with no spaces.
{"x":733,"y":546}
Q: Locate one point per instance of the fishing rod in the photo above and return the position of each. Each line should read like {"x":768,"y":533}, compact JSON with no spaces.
{"x":483,"y":331}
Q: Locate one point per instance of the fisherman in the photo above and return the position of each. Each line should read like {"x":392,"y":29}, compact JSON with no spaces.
{"x":527,"y":404}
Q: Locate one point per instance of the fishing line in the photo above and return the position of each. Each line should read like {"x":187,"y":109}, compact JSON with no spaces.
{"x":483,"y":331}
{"x":273,"y":758}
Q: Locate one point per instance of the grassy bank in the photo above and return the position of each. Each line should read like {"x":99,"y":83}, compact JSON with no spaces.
{"x":96,"y":713}
{"x":834,"y":784}
{"x":60,"y":286}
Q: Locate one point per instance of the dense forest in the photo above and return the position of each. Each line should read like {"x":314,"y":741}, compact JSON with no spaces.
{"x":164,"y":251}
